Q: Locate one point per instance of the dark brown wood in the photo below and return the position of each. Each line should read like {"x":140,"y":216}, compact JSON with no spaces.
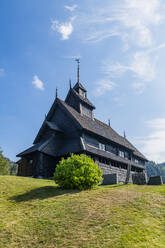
{"x":70,"y":127}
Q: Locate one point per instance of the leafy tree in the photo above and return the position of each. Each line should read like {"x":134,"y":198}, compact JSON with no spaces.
{"x":154,"y":169}
{"x":4,"y":165}
{"x":77,"y":172}
{"x":13,"y":167}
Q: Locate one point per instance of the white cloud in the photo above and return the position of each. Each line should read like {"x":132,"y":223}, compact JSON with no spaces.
{"x":64,"y":28}
{"x":139,"y":16}
{"x":104,"y":85}
{"x":101,"y":35}
{"x":142,"y":68}
{"x":153,"y":145}
{"x":133,"y":19}
{"x":71,"y":8}
{"x":134,"y":22}
{"x":38,"y":83}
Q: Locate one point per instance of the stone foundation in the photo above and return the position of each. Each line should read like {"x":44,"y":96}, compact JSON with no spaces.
{"x":139,"y":178}
{"x":157,"y":180}
{"x":110,"y":179}
{"x":115,"y":175}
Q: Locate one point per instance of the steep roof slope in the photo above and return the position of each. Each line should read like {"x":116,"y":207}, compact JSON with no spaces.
{"x":101,"y":129}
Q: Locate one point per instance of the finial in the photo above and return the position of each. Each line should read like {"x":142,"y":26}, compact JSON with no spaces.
{"x":78,"y":69}
{"x":124,"y":134}
{"x":56,"y":92}
{"x":70,"y":83}
{"x":109,"y":122}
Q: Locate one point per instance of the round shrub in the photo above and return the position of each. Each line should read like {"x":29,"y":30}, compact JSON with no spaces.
{"x":77,"y":172}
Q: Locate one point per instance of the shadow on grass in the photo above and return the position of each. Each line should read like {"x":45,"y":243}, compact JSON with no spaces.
{"x":113,"y":185}
{"x":42,"y":193}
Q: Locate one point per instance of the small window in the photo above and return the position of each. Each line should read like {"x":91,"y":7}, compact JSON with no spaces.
{"x":101,"y":146}
{"x":127,"y":155}
{"x":91,"y":141}
{"x":121,"y":153}
{"x":110,"y":148}
{"x":82,"y":93}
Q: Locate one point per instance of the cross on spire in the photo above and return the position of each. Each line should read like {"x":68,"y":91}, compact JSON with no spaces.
{"x":78,"y":69}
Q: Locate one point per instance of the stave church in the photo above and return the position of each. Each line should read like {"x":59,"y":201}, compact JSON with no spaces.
{"x":70,"y":127}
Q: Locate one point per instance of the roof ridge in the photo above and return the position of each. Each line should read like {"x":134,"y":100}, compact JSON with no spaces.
{"x":78,"y":84}
{"x":92,"y":125}
{"x":86,"y":100}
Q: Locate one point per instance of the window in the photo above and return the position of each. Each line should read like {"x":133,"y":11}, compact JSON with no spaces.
{"x":135,"y":160}
{"x":121,"y":153}
{"x":127,"y":155}
{"x":91,"y":141}
{"x":101,"y":146}
{"x":110,"y":148}
{"x":82,"y":93}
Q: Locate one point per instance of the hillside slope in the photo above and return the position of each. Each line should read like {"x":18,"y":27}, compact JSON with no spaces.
{"x":35,"y":213}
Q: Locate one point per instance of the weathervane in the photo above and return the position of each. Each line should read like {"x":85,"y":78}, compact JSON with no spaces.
{"x":78,"y":69}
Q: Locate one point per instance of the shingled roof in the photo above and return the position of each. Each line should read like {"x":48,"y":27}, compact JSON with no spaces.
{"x":37,"y":147}
{"x":82,"y":99}
{"x":110,"y":155}
{"x":79,"y":85}
{"x":53,"y":148}
{"x":101,"y":129}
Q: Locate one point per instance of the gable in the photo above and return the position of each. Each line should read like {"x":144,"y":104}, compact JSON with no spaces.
{"x":64,"y":121}
{"x":59,"y":117}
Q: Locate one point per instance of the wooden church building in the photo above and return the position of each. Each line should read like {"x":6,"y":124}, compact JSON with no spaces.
{"x":70,"y":127}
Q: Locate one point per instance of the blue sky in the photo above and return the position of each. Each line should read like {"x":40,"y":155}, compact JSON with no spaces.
{"x":122,"y":48}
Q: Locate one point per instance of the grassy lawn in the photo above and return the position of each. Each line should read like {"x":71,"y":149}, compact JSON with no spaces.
{"x":35,"y":213}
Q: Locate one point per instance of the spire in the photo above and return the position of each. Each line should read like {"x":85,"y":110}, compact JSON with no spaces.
{"x":70,"y":83}
{"x":124,"y":135}
{"x":78,"y":69}
{"x":56,"y":92}
{"x":109,"y":122}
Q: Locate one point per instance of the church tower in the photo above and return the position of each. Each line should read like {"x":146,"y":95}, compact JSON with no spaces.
{"x":77,"y":97}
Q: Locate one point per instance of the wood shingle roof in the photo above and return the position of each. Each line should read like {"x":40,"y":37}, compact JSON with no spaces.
{"x":101,"y":129}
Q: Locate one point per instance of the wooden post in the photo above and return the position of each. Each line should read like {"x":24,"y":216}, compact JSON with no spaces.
{"x":128,"y":173}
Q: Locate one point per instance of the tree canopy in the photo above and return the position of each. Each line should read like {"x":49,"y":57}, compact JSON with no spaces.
{"x":4,"y":165}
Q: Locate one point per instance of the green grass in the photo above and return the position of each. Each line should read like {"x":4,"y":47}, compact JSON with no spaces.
{"x":35,"y":213}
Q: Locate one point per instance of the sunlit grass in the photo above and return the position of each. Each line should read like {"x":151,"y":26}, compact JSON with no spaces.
{"x":36,"y":213}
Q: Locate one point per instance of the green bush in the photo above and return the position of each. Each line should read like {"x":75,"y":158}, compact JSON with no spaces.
{"x":77,"y":172}
{"x":4,"y":165}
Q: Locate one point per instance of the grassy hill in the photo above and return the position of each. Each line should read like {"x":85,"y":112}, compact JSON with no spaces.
{"x":35,"y":213}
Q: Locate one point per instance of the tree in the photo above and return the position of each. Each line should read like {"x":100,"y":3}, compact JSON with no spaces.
{"x":77,"y":172}
{"x":4,"y":165}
